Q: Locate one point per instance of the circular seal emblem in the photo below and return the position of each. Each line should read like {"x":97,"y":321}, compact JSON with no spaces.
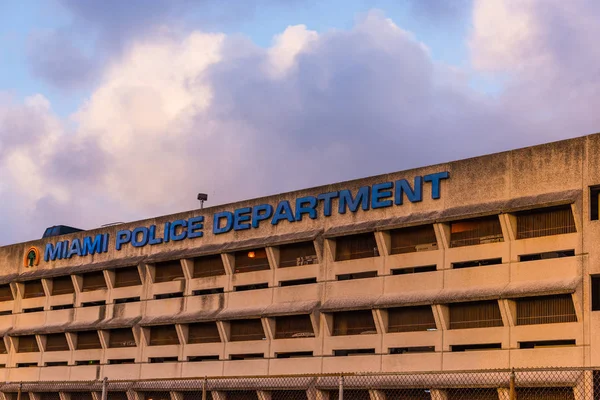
{"x":32,"y":258}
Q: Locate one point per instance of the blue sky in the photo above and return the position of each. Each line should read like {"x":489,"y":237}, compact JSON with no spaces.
{"x":120,"y":110}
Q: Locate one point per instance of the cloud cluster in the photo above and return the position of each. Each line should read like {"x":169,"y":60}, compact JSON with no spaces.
{"x":179,"y":114}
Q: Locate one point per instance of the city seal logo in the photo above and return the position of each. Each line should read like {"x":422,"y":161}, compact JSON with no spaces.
{"x":32,"y":258}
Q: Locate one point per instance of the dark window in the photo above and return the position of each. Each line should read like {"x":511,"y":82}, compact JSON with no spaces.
{"x":125,"y":277}
{"x":57,"y":342}
{"x":475,"y":231}
{"x":356,"y":246}
{"x":251,"y":260}
{"x":163,"y":335}
{"x":6,"y":293}
{"x":358,"y":322}
{"x":32,"y":310}
{"x":81,"y":396}
{"x":203,"y":332}
{"x":296,"y":282}
{"x":62,"y":285}
{"x":202,"y":358}
{"x":418,"y":238}
{"x":27,"y":344}
{"x":477,"y":263}
{"x":121,"y":338}
{"x":160,"y":360}
{"x":246,"y":329}
{"x":350,"y":394}
{"x":546,"y":343}
{"x":545,"y":222}
{"x":253,"y":286}
{"x":87,"y":362}
{"x":473,"y":347}
{"x":545,"y":393}
{"x":595,"y":293}
{"x":414,"y":270}
{"x":62,"y":307}
{"x":351,"y":352}
{"x":27,"y":365}
{"x":473,"y":394}
{"x":93,"y":281}
{"x":547,"y":255}
{"x":168,"y":271}
{"x":295,"y":394}
{"x":357,"y":275}
{"x":545,"y":310}
{"x":2,"y":347}
{"x":127,"y":300}
{"x":594,"y":204}
{"x":293,"y":326}
{"x":118,"y":395}
{"x":410,"y":350}
{"x":294,"y":354}
{"x":296,"y":254}
{"x":49,"y":396}
{"x":409,"y":319}
{"x":33,"y":289}
{"x":249,"y":356}
{"x":57,"y":364}
{"x":408,"y":394}
{"x":88,"y":340}
{"x":205,"y":292}
{"x":162,"y":296}
{"x":6,"y":312}
{"x":94,"y":303}
{"x":476,"y":314}
{"x":208,"y":266}
{"x":121,"y":361}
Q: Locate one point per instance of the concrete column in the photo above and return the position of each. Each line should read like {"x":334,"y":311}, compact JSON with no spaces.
{"x":503,"y":394}
{"x":188,"y":272}
{"x":272,"y":256}
{"x":442,"y":235}
{"x":132,"y":395}
{"x":41,"y":342}
{"x":64,"y":395}
{"x":224,"y":329}
{"x":315,"y":318}
{"x":218,"y":395}
{"x":179,"y":395}
{"x":379,"y":324}
{"x":34,"y":396}
{"x":47,"y":285}
{"x":584,"y":388}
{"x":375,"y":394}
{"x":319,"y":249}
{"x":72,"y":340}
{"x":263,"y":395}
{"x":384,"y":242}
{"x":329,"y":250}
{"x":443,"y":313}
{"x":504,"y":313}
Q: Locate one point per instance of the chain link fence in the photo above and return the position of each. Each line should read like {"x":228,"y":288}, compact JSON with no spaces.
{"x":524,"y":384}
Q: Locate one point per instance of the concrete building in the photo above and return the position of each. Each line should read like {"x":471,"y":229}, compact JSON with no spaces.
{"x":489,"y":262}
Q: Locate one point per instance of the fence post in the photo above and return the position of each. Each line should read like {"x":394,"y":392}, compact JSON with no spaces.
{"x":511,"y":390}
{"x":104,"y":388}
{"x":204,"y":389}
{"x":341,"y":391}
{"x":20,"y":389}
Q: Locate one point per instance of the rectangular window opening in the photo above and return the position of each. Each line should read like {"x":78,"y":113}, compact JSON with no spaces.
{"x":297,"y":254}
{"x":163,"y":335}
{"x":414,"y":270}
{"x":536,"y":344}
{"x":33,"y":309}
{"x":297,"y":282}
{"x":122,"y":337}
{"x":476,"y":231}
{"x":294,"y":354}
{"x":246,"y":356}
{"x":57,"y":342}
{"x":355,"y":247}
{"x":203,"y":332}
{"x":475,"y":347}
{"x":206,"y":292}
{"x":27,"y":365}
{"x":356,"y":275}
{"x":168,"y":271}
{"x":93,"y":281}
{"x":476,"y":314}
{"x":246,"y":329}
{"x":414,"y":239}
{"x":594,"y":203}
{"x":202,"y":358}
{"x":545,"y":310}
{"x":410,"y":350}
{"x":87,"y":362}
{"x":6,"y":312}
{"x":160,"y":360}
{"x":87,"y":340}
{"x":127,"y":276}
{"x":94,"y":303}
{"x":208,"y":266}
{"x":27,"y":344}
{"x":358,"y":322}
{"x":595,"y":289}
{"x":33,"y":289}
{"x":352,"y":352}
{"x":163,"y":296}
{"x":56,"y":364}
{"x":251,"y":260}
{"x":293,"y":326}
{"x":410,"y":319}
{"x":121,"y":361}
{"x":547,"y":255}
{"x":62,"y":285}
{"x":127,"y":300}
{"x":62,"y":307}
{"x":477,"y":263}
{"x":254,"y":286}
{"x":545,"y":222}
{"x":6,"y":293}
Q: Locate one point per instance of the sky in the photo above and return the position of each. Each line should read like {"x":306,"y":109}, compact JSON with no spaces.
{"x":115,"y":111}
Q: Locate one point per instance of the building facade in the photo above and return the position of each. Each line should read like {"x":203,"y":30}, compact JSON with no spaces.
{"x":483,"y":263}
